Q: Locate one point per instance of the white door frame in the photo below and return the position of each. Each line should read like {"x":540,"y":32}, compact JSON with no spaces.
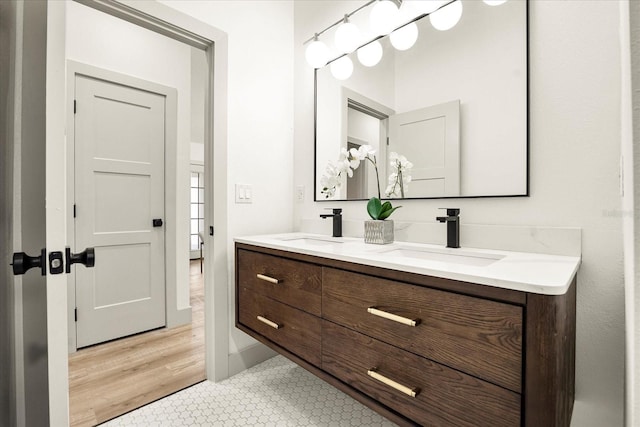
{"x":174,"y":24}
{"x":173,"y":316}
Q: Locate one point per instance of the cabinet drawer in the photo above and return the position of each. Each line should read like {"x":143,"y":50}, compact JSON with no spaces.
{"x":480,"y":337}
{"x":444,"y":397}
{"x":297,"y":331}
{"x":298,"y":283}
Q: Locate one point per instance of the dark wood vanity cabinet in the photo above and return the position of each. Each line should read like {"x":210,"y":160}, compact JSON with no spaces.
{"x":420,"y":350}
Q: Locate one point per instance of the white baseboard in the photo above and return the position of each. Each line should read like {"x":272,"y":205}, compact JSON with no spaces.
{"x":250,"y":356}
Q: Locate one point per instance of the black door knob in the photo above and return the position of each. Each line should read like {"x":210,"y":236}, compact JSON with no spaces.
{"x":23,"y":262}
{"x":157,"y":222}
{"x":86,"y":257}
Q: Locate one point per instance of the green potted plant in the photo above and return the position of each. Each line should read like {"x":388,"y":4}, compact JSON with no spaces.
{"x":379,"y":229}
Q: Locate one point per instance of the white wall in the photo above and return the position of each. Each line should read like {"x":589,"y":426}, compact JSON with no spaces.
{"x":197,"y":153}
{"x":363,"y":127}
{"x":574,"y":149}
{"x":260,"y":115}
{"x":199,"y":69}
{"x":101,"y":40}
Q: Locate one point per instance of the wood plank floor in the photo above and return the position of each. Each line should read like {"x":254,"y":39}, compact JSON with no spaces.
{"x":110,"y":379}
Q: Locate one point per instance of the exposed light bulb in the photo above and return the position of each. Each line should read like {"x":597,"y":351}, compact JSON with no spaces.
{"x":369,"y":55}
{"x":347,"y":37}
{"x":317,"y":54}
{"x":447,"y":17}
{"x":424,"y":6}
{"x":408,"y":11}
{"x":494,"y":2}
{"x":342,"y":68}
{"x":405,"y":37}
{"x":383,"y":17}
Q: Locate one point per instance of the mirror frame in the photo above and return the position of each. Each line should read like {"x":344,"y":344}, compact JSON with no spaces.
{"x":527,"y":148}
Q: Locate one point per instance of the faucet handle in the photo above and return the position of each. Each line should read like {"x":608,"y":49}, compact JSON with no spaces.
{"x":336,"y":211}
{"x":452,"y":211}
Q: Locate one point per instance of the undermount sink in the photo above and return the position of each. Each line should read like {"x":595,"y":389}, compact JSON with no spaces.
{"x":466,"y":258}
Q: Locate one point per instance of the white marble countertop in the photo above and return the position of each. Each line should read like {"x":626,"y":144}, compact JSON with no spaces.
{"x":520,"y":271}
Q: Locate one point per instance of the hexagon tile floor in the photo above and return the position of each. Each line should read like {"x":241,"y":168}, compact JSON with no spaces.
{"x":275,"y":393}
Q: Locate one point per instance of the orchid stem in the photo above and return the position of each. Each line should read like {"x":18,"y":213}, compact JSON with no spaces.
{"x":377,"y":176}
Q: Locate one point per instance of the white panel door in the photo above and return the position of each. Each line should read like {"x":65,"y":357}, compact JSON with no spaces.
{"x":430,"y":139}
{"x":119,"y":190}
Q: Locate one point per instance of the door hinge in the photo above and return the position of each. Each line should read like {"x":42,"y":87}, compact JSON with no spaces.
{"x":75,"y":314}
{"x":74,"y":106}
{"x":387,"y":140}
{"x":74,"y":210}
{"x":211,"y":230}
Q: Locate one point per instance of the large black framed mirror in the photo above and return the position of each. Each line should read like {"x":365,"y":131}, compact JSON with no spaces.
{"x":455,"y":105}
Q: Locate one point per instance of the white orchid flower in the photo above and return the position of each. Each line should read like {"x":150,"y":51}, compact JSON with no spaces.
{"x":355,"y":158}
{"x":330,"y":180}
{"x":365,"y":150}
{"x":400,"y":177}
{"x":348,"y":161}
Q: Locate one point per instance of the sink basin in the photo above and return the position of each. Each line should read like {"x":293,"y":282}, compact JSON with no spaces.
{"x":312,"y":241}
{"x":466,"y":258}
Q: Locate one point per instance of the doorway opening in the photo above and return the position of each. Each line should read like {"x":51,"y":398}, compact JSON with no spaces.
{"x":113,"y":377}
{"x":110,"y":379}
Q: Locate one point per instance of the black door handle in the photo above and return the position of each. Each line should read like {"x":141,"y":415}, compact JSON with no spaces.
{"x":157,"y":222}
{"x":86,"y":257}
{"x":23,"y":262}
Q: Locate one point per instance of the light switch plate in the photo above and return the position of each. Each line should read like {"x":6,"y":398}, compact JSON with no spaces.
{"x":244,"y":193}
{"x":300,"y":193}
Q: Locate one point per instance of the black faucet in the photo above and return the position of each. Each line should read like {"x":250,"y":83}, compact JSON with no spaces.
{"x":453,"y":227}
{"x":337,"y":221}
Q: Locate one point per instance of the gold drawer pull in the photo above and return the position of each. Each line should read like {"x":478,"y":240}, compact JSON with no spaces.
{"x":267,"y":278}
{"x":413,"y":392}
{"x":266,"y":321}
{"x":394,"y":317}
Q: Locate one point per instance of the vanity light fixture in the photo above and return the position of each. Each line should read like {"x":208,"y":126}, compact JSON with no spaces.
{"x":385,"y":18}
{"x":370,"y":54}
{"x":421,"y":7}
{"x":447,"y":16}
{"x":342,"y":68}
{"x":347,"y":37}
{"x":404,"y":37}
{"x":317,"y":53}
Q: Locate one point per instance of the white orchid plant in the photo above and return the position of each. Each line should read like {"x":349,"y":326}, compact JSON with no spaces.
{"x":400,"y":176}
{"x":349,"y":160}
